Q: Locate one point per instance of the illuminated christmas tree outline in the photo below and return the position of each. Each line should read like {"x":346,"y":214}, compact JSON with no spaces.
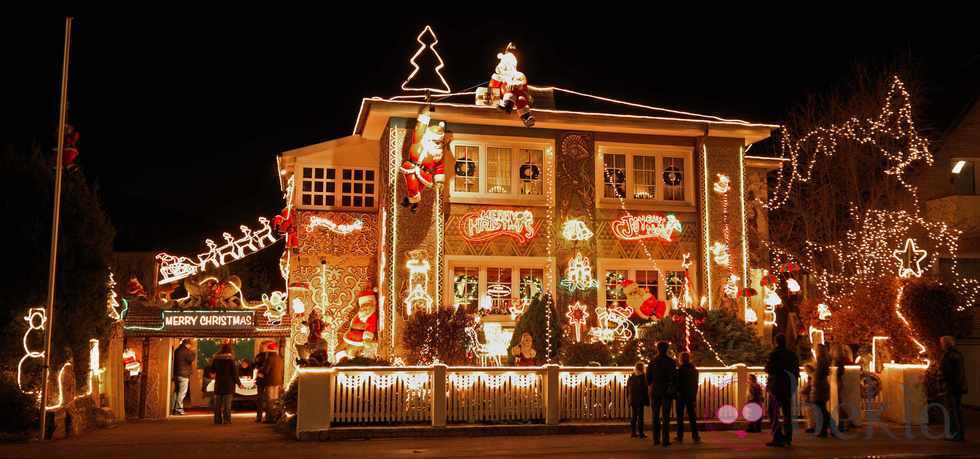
{"x":439,"y":67}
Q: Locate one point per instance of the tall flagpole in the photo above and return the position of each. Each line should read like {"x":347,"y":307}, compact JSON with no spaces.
{"x":52,"y":265}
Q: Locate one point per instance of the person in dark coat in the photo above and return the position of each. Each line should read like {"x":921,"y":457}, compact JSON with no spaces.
{"x":636,"y":389}
{"x":225,"y":381}
{"x":661,"y":374}
{"x":953,"y":372}
{"x":687,"y":392}
{"x":755,"y":396}
{"x":820,"y":391}
{"x":783,"y":375}
{"x":268,"y":379}
{"x":183,"y":368}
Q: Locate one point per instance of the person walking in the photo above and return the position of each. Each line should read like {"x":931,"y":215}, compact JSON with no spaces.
{"x":820,"y":391}
{"x":661,"y":377}
{"x":183,"y":368}
{"x":268,"y":380}
{"x":783,"y":374}
{"x":687,"y":392}
{"x":636,"y":389}
{"x":225,"y":381}
{"x":953,"y":372}
{"x":755,"y":396}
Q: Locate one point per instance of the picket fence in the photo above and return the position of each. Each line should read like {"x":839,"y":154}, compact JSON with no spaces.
{"x":439,"y":395}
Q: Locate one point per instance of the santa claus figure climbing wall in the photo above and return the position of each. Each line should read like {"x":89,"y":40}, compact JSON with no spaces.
{"x":424,"y":165}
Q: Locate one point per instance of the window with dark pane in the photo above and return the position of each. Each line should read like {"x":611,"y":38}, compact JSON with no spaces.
{"x":648,"y":280}
{"x":467,"y":168}
{"x":614,"y":175}
{"x":530,"y":171}
{"x":614,"y":293}
{"x":357,"y":188}
{"x":466,"y":284}
{"x":673,"y":179}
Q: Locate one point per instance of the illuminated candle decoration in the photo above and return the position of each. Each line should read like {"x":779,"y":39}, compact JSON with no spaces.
{"x":719,"y":252}
{"x":174,"y":268}
{"x":909,"y":260}
{"x":577,"y":316}
{"x":418,"y":283}
{"x":575,"y":230}
{"x":432,"y":47}
{"x":651,"y":226}
{"x":823,"y":311}
{"x":578,"y":274}
{"x":36,"y":319}
{"x":487,"y":224}
{"x":316,"y":221}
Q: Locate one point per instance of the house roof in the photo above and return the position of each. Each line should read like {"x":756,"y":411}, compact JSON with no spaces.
{"x":375,"y":112}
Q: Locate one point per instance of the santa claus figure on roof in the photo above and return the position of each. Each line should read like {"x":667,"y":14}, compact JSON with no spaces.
{"x":424,"y":165}
{"x":362,"y":335}
{"x":511,"y":86}
{"x":645,"y":306}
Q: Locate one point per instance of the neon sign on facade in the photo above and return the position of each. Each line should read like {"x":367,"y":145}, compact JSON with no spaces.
{"x":652,"y":226}
{"x":484,"y":225}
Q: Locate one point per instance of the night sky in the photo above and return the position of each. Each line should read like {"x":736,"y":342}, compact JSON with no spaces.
{"x":181,"y":118}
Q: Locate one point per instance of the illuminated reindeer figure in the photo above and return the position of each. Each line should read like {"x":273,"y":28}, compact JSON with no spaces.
{"x":246,"y":241}
{"x":211,"y":256}
{"x":264,"y":234}
{"x":229,"y":249}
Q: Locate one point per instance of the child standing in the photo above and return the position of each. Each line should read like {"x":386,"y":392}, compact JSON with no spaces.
{"x":755,"y":396}
{"x":636,"y":387}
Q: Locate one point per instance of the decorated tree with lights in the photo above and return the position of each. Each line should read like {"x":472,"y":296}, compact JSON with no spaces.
{"x":541,"y":321}
{"x":438,"y":335}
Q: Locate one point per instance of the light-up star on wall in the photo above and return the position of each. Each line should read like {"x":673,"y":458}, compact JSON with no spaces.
{"x":909,"y":260}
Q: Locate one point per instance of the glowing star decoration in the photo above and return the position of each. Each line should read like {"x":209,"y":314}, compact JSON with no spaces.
{"x":432,"y":47}
{"x":484,"y":225}
{"x":36,"y":319}
{"x":575,"y":230}
{"x":316,"y":221}
{"x":578,"y":274}
{"x":577,"y":315}
{"x":723,"y":184}
{"x":652,"y":226}
{"x":418,"y":283}
{"x":909,"y":260}
{"x":173,"y":268}
{"x":731,"y":286}
{"x":792,"y":285}
{"x":823,"y":311}
{"x":719,"y":252}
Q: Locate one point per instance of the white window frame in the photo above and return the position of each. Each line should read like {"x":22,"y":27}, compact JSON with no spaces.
{"x":483,"y":263}
{"x":631,"y":266}
{"x":657,"y":151}
{"x":515,"y":144}
{"x":338,"y":187}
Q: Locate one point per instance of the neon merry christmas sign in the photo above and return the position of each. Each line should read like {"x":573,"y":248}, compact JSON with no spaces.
{"x":484,"y":225}
{"x":652,"y":226}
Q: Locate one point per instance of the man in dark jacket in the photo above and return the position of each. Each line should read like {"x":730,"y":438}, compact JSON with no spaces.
{"x":268,"y":379}
{"x":954,"y":380}
{"x":687,"y":392}
{"x":660,"y":378}
{"x":183,"y":368}
{"x":783,"y":370}
{"x":639,"y":399}
{"x":225,"y":380}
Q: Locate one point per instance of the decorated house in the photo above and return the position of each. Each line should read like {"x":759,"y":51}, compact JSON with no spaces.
{"x":456,"y":202}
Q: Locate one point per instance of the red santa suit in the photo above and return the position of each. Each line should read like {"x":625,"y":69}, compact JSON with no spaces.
{"x":645,"y":306}
{"x":511,"y":85}
{"x":424,"y":165}
{"x":285,"y":226}
{"x":364,"y":325}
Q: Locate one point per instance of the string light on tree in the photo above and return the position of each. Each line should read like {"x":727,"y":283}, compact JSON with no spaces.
{"x":823,"y":311}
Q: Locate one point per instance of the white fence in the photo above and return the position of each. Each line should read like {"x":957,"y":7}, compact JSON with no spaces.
{"x":439,"y":395}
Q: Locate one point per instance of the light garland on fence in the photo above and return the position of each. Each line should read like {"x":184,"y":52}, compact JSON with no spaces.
{"x":720,"y":381}
{"x":600,"y":380}
{"x":890,"y":125}
{"x":578,"y":317}
{"x":174,"y":268}
{"x":446,"y":89}
{"x":575,"y":230}
{"x":36,"y":319}
{"x":907,"y":257}
{"x":578,"y":274}
{"x":317,"y":221}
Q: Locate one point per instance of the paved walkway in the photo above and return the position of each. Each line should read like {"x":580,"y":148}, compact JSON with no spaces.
{"x":195,"y":437}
